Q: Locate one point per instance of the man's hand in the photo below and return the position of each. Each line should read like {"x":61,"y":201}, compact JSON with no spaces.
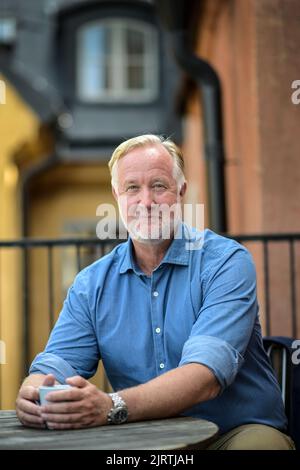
{"x":27,"y":409}
{"x":82,"y":406}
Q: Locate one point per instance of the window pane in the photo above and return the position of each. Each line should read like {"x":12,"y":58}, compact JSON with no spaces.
{"x":95,"y":44}
{"x":135,"y":77}
{"x":135,"y":42}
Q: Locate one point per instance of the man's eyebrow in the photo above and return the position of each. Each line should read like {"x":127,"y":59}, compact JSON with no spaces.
{"x":153,"y":180}
{"x":159,"y":178}
{"x":129,"y":181}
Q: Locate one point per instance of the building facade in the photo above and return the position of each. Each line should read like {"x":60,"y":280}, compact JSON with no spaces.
{"x":80,"y":76}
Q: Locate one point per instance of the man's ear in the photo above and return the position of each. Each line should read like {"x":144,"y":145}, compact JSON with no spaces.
{"x":183,"y":189}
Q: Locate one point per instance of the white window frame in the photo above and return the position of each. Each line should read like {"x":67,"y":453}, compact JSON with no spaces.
{"x":120,"y":92}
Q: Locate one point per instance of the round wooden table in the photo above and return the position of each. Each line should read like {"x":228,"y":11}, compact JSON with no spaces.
{"x":162,"y":434}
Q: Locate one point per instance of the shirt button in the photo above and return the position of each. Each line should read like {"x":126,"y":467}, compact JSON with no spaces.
{"x":157,"y":330}
{"x":155,"y":294}
{"x":161,"y":365}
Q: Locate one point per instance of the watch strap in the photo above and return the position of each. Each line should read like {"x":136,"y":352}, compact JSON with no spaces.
{"x":117,"y":400}
{"x":119,"y":413}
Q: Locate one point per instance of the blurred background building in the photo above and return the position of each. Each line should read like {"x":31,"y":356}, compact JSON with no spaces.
{"x":80,"y":76}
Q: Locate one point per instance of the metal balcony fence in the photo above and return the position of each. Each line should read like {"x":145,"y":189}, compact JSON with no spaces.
{"x":277,"y":259}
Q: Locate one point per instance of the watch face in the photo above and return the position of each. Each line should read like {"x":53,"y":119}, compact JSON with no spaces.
{"x":119,"y":415}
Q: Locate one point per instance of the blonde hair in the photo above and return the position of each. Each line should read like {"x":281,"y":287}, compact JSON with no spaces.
{"x":144,"y":141}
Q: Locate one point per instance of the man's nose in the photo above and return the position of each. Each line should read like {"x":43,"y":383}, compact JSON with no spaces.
{"x":146,"y":198}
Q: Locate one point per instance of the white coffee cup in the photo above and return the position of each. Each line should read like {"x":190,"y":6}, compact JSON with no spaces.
{"x":44,"y":390}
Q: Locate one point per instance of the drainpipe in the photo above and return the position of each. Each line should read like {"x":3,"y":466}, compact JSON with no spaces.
{"x":209,"y":84}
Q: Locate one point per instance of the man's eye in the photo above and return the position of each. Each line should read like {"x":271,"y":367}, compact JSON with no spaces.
{"x":131,"y":188}
{"x":159,"y":186}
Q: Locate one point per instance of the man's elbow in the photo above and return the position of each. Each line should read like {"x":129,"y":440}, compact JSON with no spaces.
{"x":209,"y":385}
{"x":212,"y":388}
{"x":215,"y":389}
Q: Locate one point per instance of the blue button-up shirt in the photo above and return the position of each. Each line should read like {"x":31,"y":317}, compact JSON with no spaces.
{"x":198,"y":306}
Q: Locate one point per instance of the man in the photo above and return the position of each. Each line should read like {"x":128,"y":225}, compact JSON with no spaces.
{"x":177,"y":329}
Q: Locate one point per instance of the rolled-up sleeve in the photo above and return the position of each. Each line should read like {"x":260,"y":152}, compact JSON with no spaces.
{"x":72,"y":348}
{"x":225,"y":322}
{"x":47,"y":363}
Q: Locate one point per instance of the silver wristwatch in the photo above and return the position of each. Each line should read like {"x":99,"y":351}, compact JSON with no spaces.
{"x":119,"y":413}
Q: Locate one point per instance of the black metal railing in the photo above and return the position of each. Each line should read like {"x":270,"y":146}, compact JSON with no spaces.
{"x":25,"y":247}
{"x":291,"y":240}
{"x":87,"y":250}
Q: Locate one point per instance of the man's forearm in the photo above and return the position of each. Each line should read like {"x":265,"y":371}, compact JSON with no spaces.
{"x":35,"y":380}
{"x":171,"y":393}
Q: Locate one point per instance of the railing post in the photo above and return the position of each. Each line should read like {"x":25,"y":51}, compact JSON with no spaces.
{"x":293,"y":288}
{"x":266,"y":284}
{"x":25,"y":279}
{"x":50,"y":288}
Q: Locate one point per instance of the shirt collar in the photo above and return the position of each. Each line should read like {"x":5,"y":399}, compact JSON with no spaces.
{"x":177,"y":253}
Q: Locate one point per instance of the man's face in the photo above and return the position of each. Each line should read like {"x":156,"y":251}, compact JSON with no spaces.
{"x":146,"y":191}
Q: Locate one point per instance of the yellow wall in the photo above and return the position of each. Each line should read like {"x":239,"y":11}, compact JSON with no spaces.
{"x":63,"y":193}
{"x":17,"y":125}
{"x":66,"y":193}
